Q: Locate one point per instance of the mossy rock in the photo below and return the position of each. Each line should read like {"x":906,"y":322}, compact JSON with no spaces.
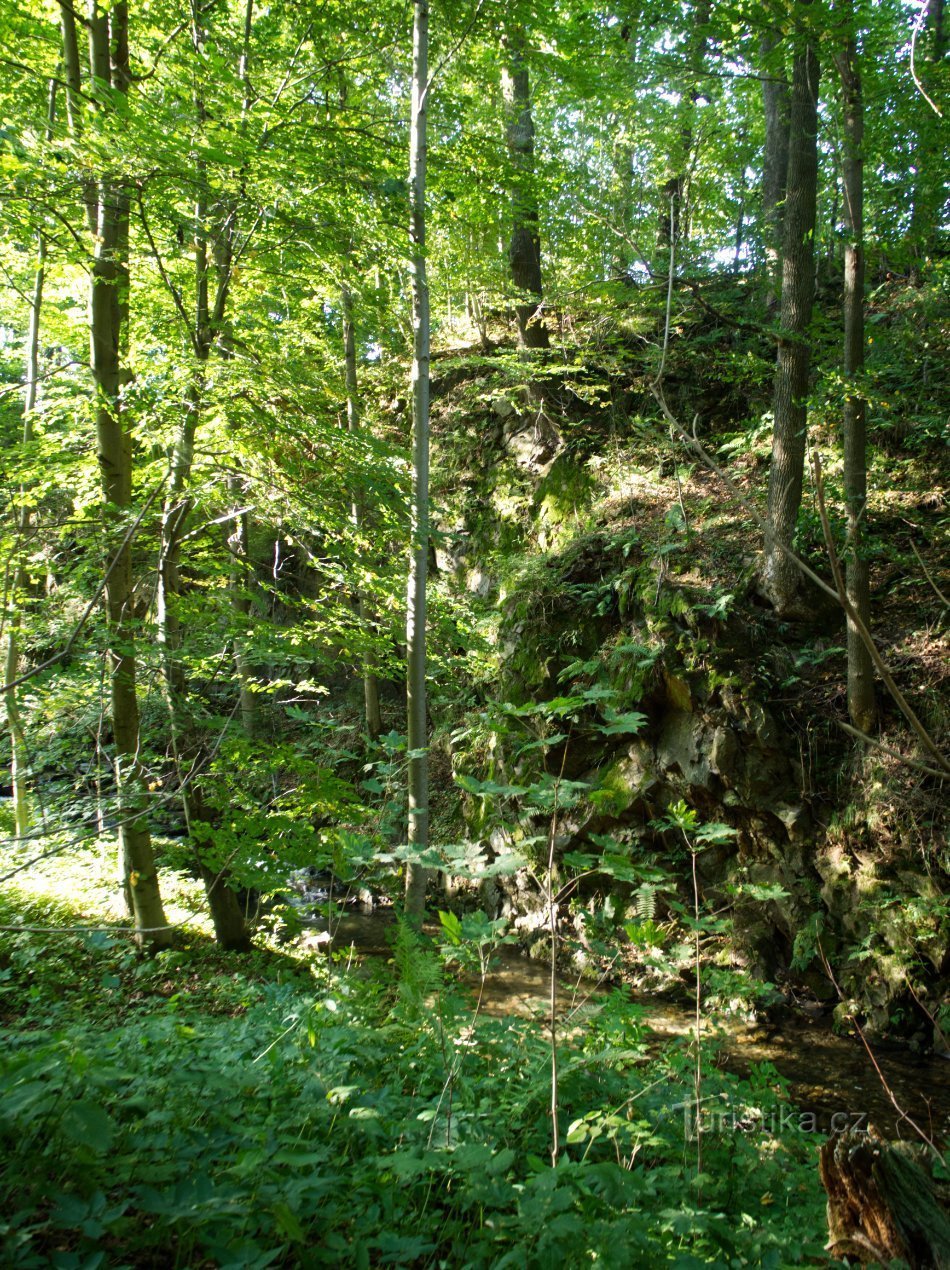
{"x":562,"y":498}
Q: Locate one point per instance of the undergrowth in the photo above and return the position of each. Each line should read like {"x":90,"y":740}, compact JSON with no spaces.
{"x":300,"y":1112}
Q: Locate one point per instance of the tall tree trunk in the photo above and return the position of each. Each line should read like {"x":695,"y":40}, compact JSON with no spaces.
{"x":374,"y":723}
{"x":241,"y":575}
{"x":740,"y":224}
{"x":780,"y":577}
{"x":19,"y":751}
{"x":861,"y":704}
{"x":776,"y":106}
{"x":229,"y":925}
{"x":417,"y":726}
{"x":108,"y":310}
{"x":524,"y":246}
{"x":240,"y":582}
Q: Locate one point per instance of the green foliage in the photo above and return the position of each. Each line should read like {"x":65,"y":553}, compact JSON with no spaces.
{"x":470,"y":940}
{"x":418,"y":973}
{"x":191,"y":1111}
{"x":805,"y":948}
{"x":313,"y":1126}
{"x":261,"y":834}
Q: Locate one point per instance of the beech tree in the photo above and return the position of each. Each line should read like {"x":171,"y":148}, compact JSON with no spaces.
{"x":774,"y":159}
{"x":107,"y":199}
{"x":524,"y":246}
{"x":19,"y":749}
{"x":781,"y":578}
{"x":861,"y":704}
{"x":213,"y":229}
{"x":374,"y":724}
{"x":417,"y":715}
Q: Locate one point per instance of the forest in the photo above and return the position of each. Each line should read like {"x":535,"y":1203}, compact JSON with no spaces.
{"x":475,"y":733}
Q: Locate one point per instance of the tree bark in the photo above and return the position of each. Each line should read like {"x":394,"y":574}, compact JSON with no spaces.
{"x":776,"y":106}
{"x":861,"y":704}
{"x":781,"y":580}
{"x":374,"y":723}
{"x":228,"y":919}
{"x":19,"y":750}
{"x":417,"y":725}
{"x":108,"y":311}
{"x":882,"y":1206}
{"x":524,"y":246}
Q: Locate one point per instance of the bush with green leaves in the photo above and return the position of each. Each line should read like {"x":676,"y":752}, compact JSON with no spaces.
{"x":374,"y":1121}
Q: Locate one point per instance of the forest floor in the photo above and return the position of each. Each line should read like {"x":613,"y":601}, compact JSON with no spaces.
{"x":301,"y":1107}
{"x":290,"y":1108}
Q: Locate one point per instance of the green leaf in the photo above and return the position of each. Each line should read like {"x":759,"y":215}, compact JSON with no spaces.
{"x":288,"y":1224}
{"x":617,"y":724}
{"x":451,"y":927}
{"x":715,"y":833}
{"x":89,"y":1125}
{"x":489,"y":789}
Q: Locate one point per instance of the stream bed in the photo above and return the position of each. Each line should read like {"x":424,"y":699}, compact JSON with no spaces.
{"x":833,"y":1080}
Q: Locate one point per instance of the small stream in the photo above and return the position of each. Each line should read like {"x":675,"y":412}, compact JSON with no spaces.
{"x":832,"y":1079}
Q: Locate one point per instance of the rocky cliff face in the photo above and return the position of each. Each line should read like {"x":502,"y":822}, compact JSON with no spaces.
{"x":606,"y":565}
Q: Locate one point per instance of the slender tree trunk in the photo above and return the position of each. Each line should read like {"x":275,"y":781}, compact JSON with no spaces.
{"x":781,"y":579}
{"x":19,"y":750}
{"x":241,"y":580}
{"x":417,"y":729}
{"x":374,"y":723}
{"x":861,"y":704}
{"x":72,"y":71}
{"x":776,"y":106}
{"x":230,"y":927}
{"x":19,"y":753}
{"x":627,"y":207}
{"x":740,"y":225}
{"x":239,"y":587}
{"x":108,"y":308}
{"x":524,"y":246}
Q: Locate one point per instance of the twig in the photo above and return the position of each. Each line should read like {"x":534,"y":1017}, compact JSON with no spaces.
{"x":938,"y":1030}
{"x":552,"y":997}
{"x":924,"y":1137}
{"x":452,"y":51}
{"x":886,"y":749}
{"x":939,"y":594}
{"x":887,"y":1089}
{"x":842,"y":597}
{"x":163,"y":273}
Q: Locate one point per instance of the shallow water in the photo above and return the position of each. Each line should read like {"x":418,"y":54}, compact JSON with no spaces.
{"x":833,"y":1081}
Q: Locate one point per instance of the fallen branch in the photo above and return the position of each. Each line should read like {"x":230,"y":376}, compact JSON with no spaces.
{"x":886,"y":749}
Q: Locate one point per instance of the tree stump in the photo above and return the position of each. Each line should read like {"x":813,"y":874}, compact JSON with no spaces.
{"x":882,"y":1205}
